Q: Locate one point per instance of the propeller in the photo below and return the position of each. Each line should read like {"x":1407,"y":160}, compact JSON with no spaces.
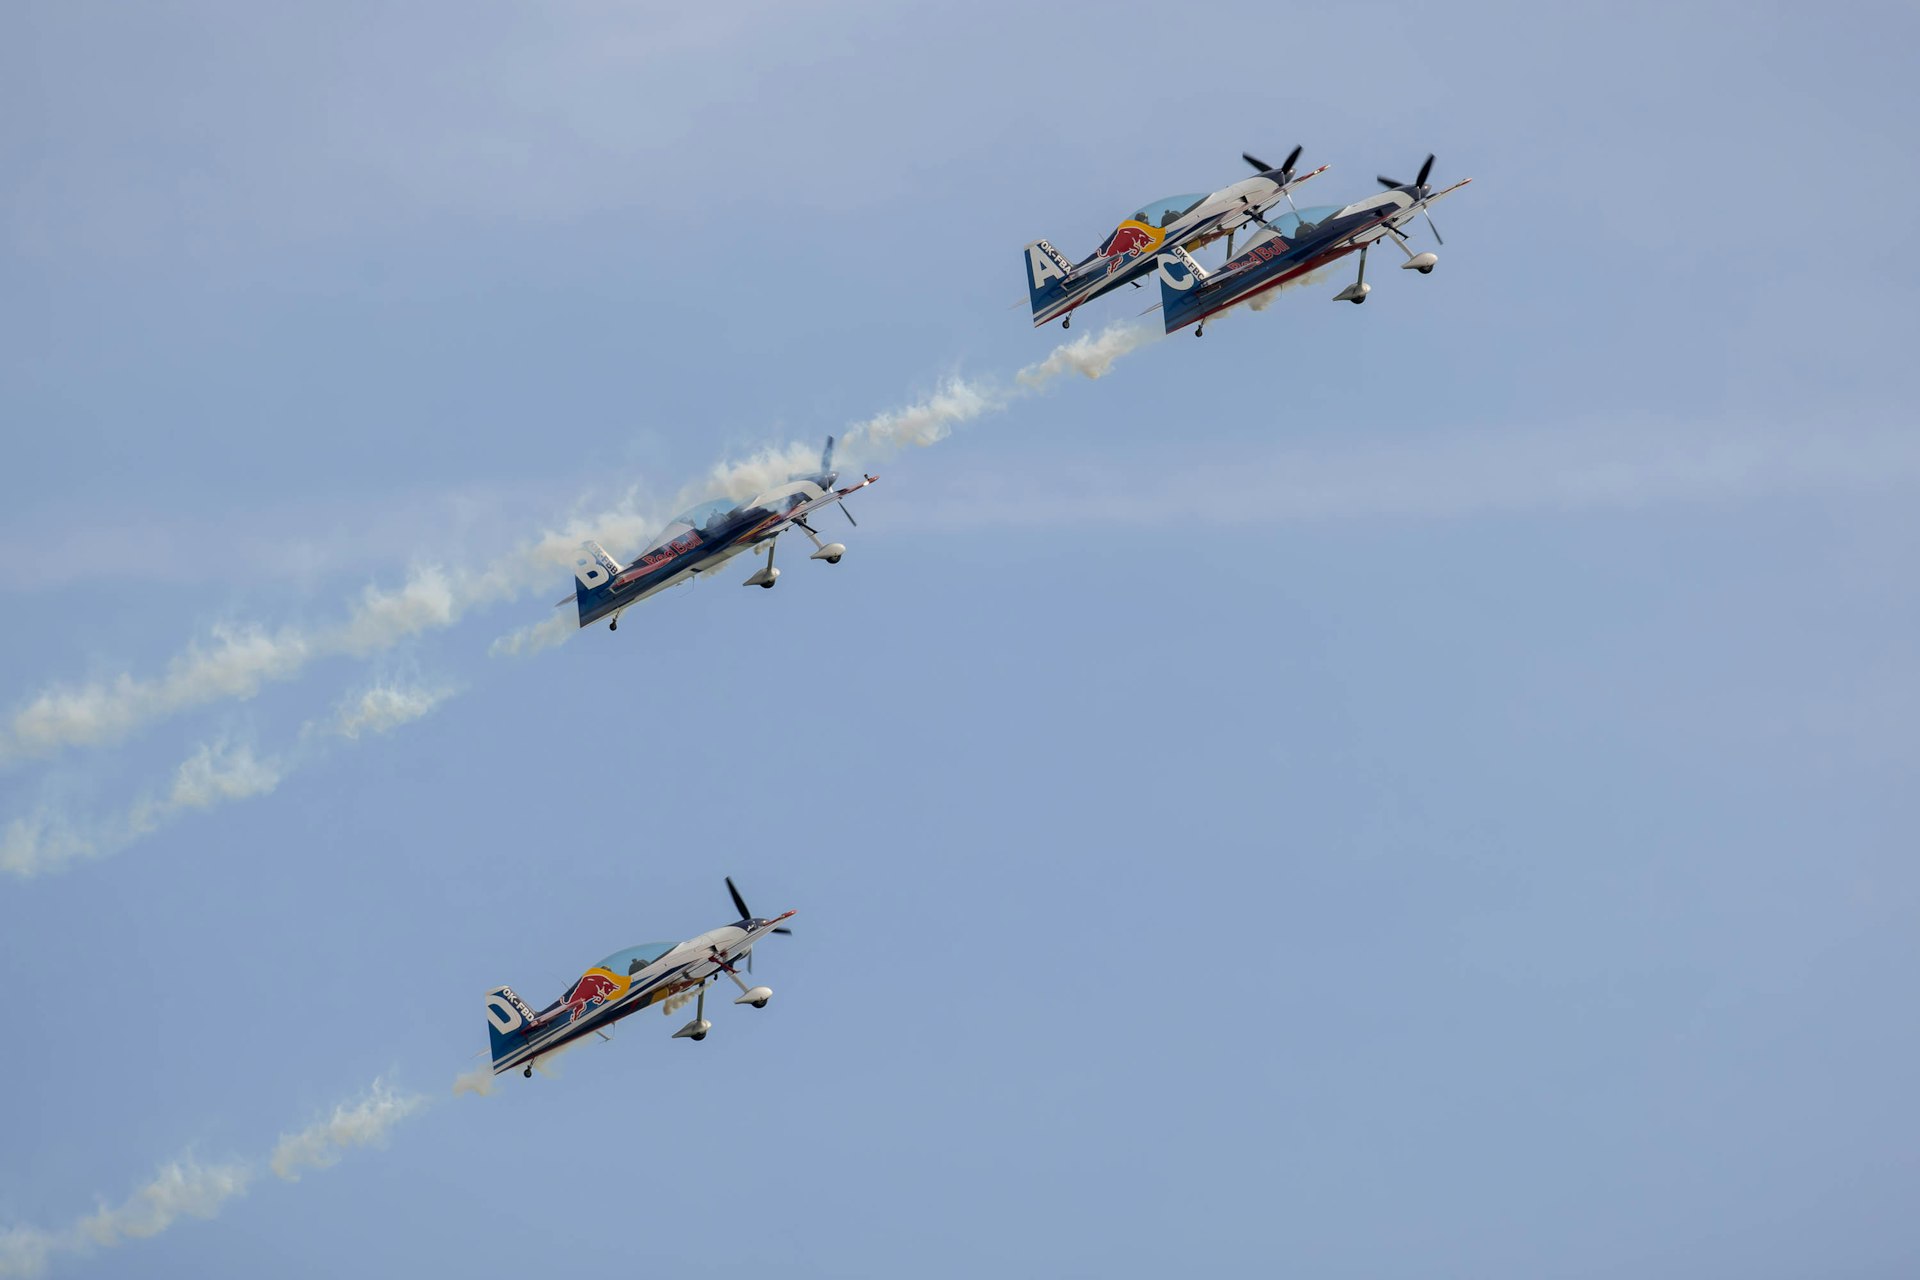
{"x":1420,"y":192}
{"x":1285,"y":171}
{"x":826,"y":468}
{"x":740,"y":904}
{"x":1283,"y":177}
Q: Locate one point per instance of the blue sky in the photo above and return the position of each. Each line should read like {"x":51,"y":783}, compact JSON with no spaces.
{"x":1424,"y":787}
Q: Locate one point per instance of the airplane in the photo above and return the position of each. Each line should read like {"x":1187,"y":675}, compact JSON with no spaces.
{"x":667,"y":974}
{"x":1055,"y":287}
{"x":1297,"y":243}
{"x":703,"y":538}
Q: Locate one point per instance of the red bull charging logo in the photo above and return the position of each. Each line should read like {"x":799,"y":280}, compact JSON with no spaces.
{"x":593,"y":988}
{"x":1130,"y":240}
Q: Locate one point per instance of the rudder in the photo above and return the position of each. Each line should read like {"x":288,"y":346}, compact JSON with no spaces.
{"x":593,"y":574}
{"x":1047,"y":271}
{"x":1181,"y":279}
{"x":508,"y":1017}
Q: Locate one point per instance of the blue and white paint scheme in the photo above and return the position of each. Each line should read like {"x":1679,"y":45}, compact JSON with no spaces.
{"x":668,"y":974}
{"x":701,"y":539}
{"x":1055,"y":287}
{"x":1296,"y":243}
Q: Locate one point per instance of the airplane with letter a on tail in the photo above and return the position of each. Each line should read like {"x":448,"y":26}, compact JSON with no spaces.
{"x":1055,"y":287}
{"x":1299,"y":242}
{"x":667,"y":974}
{"x":705,"y":537}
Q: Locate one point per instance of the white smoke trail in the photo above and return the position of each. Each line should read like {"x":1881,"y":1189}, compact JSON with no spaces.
{"x":184,"y":1187}
{"x":239,"y":660}
{"x":383,"y":708}
{"x":926,"y":422}
{"x":233,"y":664}
{"x":477,"y":1081}
{"x":360,"y":1123}
{"x":25,"y":1251}
{"x":1092,"y":356}
{"x":187,"y":1188}
{"x":214,"y":774}
{"x":532,"y":639}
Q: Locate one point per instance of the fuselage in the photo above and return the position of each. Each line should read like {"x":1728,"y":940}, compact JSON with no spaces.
{"x":705,"y":549}
{"x":1129,"y":252}
{"x":1272,"y":260}
{"x":601,"y":997}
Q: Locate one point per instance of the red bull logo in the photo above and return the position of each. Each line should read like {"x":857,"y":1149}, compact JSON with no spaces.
{"x":593,"y":988}
{"x":1130,"y":240}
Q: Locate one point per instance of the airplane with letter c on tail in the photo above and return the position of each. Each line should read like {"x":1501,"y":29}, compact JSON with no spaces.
{"x":703,"y":538}
{"x":1055,"y":287}
{"x":668,"y":974}
{"x":1297,"y":243}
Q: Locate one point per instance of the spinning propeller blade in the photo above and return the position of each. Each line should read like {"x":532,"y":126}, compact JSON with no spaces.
{"x":740,"y":905}
{"x":1419,"y":184}
{"x":1285,"y":171}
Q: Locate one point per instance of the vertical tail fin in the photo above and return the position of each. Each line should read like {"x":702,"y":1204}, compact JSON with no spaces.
{"x":1181,"y":279}
{"x":507,"y":1020}
{"x":1047,"y":271}
{"x":593,"y":574}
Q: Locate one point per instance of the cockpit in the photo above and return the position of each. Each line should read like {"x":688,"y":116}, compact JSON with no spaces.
{"x":1160,"y":212}
{"x":697,"y":519}
{"x":1292,"y":225}
{"x":634,"y":959}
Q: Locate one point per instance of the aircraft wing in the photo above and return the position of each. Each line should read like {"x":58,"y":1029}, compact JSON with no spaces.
{"x":801,"y":511}
{"x":1446,"y":192}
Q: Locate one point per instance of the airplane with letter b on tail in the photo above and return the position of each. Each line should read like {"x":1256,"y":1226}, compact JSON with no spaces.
{"x":1055,"y":287}
{"x":668,"y":974}
{"x":1297,"y":243}
{"x":705,"y":537}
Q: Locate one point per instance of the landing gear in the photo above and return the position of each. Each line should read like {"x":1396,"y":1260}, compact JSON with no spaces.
{"x":615,"y":624}
{"x":755,"y":996}
{"x":1200,"y":330}
{"x":1067,"y":323}
{"x":1424,"y":263}
{"x":698,"y":1028}
{"x":528,"y":1073}
{"x":1357,"y":292}
{"x":828,"y":551}
{"x":764,"y":577}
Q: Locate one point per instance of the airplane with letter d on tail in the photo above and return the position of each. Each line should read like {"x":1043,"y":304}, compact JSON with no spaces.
{"x":703,"y":538}
{"x":1297,"y":243}
{"x":1055,"y":286}
{"x":668,"y":974}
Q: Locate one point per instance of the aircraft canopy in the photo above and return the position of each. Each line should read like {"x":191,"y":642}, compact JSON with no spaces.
{"x":694,"y":518}
{"x":634,"y":959}
{"x":1158,"y":213}
{"x":1292,"y":225}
